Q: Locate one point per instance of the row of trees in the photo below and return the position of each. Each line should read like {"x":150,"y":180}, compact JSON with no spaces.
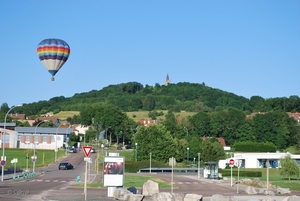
{"x":133,"y":96}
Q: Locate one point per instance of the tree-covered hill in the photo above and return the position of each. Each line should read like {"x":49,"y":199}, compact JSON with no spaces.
{"x":133,"y":96}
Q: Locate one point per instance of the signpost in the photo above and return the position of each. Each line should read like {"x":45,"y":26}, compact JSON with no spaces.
{"x":231,"y":164}
{"x":87,"y":151}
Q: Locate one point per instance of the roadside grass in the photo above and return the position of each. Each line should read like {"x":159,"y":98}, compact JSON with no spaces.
{"x":44,"y":157}
{"x":136,"y":181}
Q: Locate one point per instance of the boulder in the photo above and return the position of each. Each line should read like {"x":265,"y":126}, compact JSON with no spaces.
{"x":150,"y":188}
{"x":192,"y":197}
{"x":250,"y":190}
{"x":133,"y":197}
{"x":266,"y":192}
{"x":292,"y":198}
{"x":121,"y":194}
{"x":163,"y":196}
{"x":283,"y":190}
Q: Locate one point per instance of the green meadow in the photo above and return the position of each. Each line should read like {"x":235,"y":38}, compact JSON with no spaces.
{"x":44,"y":157}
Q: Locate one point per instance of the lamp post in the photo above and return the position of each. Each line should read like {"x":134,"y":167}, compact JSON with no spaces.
{"x":187,"y":153}
{"x":136,"y":144}
{"x":56,"y":145}
{"x":34,"y":146}
{"x":198,"y":165}
{"x":3,"y":137}
{"x":186,"y":130}
{"x":150,"y":162}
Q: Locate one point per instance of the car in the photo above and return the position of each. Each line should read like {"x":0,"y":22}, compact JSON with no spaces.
{"x":93,"y":150}
{"x":73,"y":150}
{"x":65,"y":166}
{"x":119,"y":147}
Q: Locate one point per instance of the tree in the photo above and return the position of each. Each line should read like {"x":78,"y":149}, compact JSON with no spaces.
{"x":157,"y":140}
{"x":4,"y":108}
{"x":212,"y":150}
{"x":200,"y":124}
{"x":194,"y":147}
{"x":171,"y":123}
{"x":289,"y":167}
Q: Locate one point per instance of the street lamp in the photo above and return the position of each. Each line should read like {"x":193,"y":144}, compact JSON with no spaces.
{"x":198,"y":165}
{"x":187,"y":153}
{"x":56,"y":144}
{"x":136,"y":144}
{"x":3,"y":137}
{"x":34,"y":146}
{"x":186,"y":130}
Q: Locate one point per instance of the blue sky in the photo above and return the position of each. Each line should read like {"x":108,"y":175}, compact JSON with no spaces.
{"x":244,"y":47}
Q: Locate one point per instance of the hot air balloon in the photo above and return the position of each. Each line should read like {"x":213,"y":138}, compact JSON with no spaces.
{"x":53,"y":53}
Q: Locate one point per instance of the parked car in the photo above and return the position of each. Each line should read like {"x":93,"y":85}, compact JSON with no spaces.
{"x":119,"y":147}
{"x":93,"y":150}
{"x":65,"y":166}
{"x":73,"y":150}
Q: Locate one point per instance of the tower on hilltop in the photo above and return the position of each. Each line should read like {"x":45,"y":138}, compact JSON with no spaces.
{"x":167,"y":81}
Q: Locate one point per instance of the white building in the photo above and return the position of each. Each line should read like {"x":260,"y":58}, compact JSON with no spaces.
{"x":258,"y":160}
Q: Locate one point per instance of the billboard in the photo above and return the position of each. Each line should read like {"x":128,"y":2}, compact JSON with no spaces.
{"x":113,"y":171}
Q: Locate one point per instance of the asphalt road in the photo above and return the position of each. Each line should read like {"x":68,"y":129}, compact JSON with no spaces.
{"x":53,"y":184}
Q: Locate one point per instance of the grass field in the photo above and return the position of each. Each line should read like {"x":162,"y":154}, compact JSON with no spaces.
{"x":136,"y":116}
{"x":44,"y":157}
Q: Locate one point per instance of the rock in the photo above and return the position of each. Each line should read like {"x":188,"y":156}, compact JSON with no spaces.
{"x":266,"y":192}
{"x":192,"y":197}
{"x":164,"y":196}
{"x":133,"y":197}
{"x":121,"y":193}
{"x":257,"y":182}
{"x":250,"y":190}
{"x":292,"y":198}
{"x":150,"y":188}
{"x":283,"y":190}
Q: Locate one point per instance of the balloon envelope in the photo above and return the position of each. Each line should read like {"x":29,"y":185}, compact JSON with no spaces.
{"x":53,"y":53}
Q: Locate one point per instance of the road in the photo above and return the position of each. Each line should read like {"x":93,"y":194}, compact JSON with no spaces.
{"x":48,"y":178}
{"x":53,"y":184}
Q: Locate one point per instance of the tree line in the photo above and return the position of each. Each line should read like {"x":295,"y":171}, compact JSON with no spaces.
{"x":219,"y":114}
{"x":133,"y":96}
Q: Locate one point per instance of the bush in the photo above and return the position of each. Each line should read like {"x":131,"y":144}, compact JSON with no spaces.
{"x":244,"y":173}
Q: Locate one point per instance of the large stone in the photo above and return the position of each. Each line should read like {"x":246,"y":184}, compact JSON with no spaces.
{"x":257,"y":182}
{"x":283,"y":190}
{"x":266,"y":192}
{"x":250,"y":190}
{"x":163,"y":196}
{"x":133,"y":197}
{"x":292,"y":198}
{"x":121,"y":194}
{"x":150,"y":188}
{"x":192,"y":197}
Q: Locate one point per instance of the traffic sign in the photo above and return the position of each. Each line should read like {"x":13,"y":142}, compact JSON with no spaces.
{"x":3,"y":162}
{"x":87,"y":150}
{"x":231,"y":162}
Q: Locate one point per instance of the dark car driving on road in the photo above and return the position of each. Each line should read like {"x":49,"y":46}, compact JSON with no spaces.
{"x":65,"y":166}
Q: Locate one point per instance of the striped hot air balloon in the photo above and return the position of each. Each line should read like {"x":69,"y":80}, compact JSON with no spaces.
{"x":53,"y":53}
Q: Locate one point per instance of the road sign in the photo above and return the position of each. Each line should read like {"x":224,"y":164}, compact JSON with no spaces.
{"x":87,"y":150}
{"x":3,"y":162}
{"x":231,"y":161}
